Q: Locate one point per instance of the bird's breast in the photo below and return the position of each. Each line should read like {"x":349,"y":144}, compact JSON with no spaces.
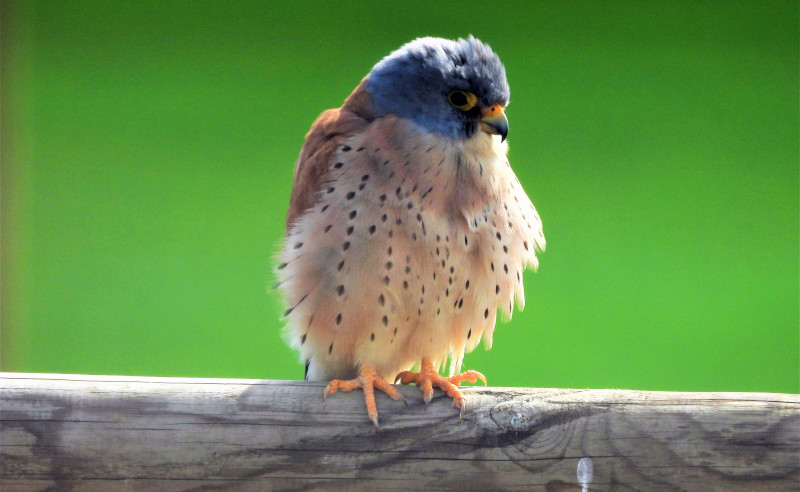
{"x":414,"y":244}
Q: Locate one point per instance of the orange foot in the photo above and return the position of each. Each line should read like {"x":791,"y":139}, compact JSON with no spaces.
{"x":428,"y":376}
{"x":367,"y":380}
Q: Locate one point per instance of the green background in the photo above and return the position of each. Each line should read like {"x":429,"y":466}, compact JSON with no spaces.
{"x":148,"y":148}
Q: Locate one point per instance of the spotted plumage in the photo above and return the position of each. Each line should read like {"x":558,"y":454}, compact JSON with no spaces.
{"x":407,"y":229}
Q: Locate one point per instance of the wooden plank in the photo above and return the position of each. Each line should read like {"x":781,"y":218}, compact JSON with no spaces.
{"x":72,"y":432}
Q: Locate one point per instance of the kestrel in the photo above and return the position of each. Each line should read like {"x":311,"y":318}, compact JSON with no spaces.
{"x":407,"y":229}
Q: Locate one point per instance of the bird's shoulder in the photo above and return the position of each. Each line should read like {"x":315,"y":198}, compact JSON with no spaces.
{"x":329,"y":130}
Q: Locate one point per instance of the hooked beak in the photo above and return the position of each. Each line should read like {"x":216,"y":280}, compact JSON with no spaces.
{"x":494,"y":121}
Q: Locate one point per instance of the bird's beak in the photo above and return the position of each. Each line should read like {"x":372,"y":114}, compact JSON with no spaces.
{"x":494,"y":121}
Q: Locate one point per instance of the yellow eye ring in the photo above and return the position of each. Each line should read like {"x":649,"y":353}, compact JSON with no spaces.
{"x":462,"y":100}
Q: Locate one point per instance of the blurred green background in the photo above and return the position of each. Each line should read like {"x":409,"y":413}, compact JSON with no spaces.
{"x":148,"y":148}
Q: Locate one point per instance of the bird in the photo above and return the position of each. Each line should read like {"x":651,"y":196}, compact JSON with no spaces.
{"x":407,"y":229}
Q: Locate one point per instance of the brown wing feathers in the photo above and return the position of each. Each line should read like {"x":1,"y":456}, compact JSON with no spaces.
{"x":327,"y":132}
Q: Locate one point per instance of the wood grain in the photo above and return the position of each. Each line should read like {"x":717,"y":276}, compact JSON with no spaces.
{"x":70,"y":432}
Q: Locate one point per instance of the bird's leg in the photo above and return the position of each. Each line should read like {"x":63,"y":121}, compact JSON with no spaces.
{"x":368,"y":380}
{"x":427,"y":377}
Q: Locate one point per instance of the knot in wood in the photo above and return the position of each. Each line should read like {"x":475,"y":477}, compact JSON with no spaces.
{"x":526,"y":416}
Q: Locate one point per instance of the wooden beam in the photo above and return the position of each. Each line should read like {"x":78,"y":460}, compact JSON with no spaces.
{"x":69,"y":432}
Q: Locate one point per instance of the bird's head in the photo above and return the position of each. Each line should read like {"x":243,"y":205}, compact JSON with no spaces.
{"x":455,"y":88}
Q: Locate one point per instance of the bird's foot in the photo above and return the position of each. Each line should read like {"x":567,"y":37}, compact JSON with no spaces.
{"x":368,"y":380}
{"x":427,"y":377}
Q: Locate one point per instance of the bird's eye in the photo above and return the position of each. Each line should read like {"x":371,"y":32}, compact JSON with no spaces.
{"x":462,"y":100}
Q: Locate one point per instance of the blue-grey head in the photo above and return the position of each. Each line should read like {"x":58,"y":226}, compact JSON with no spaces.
{"x":455,"y":88}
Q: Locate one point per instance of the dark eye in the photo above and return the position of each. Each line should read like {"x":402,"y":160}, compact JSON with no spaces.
{"x":462,"y":100}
